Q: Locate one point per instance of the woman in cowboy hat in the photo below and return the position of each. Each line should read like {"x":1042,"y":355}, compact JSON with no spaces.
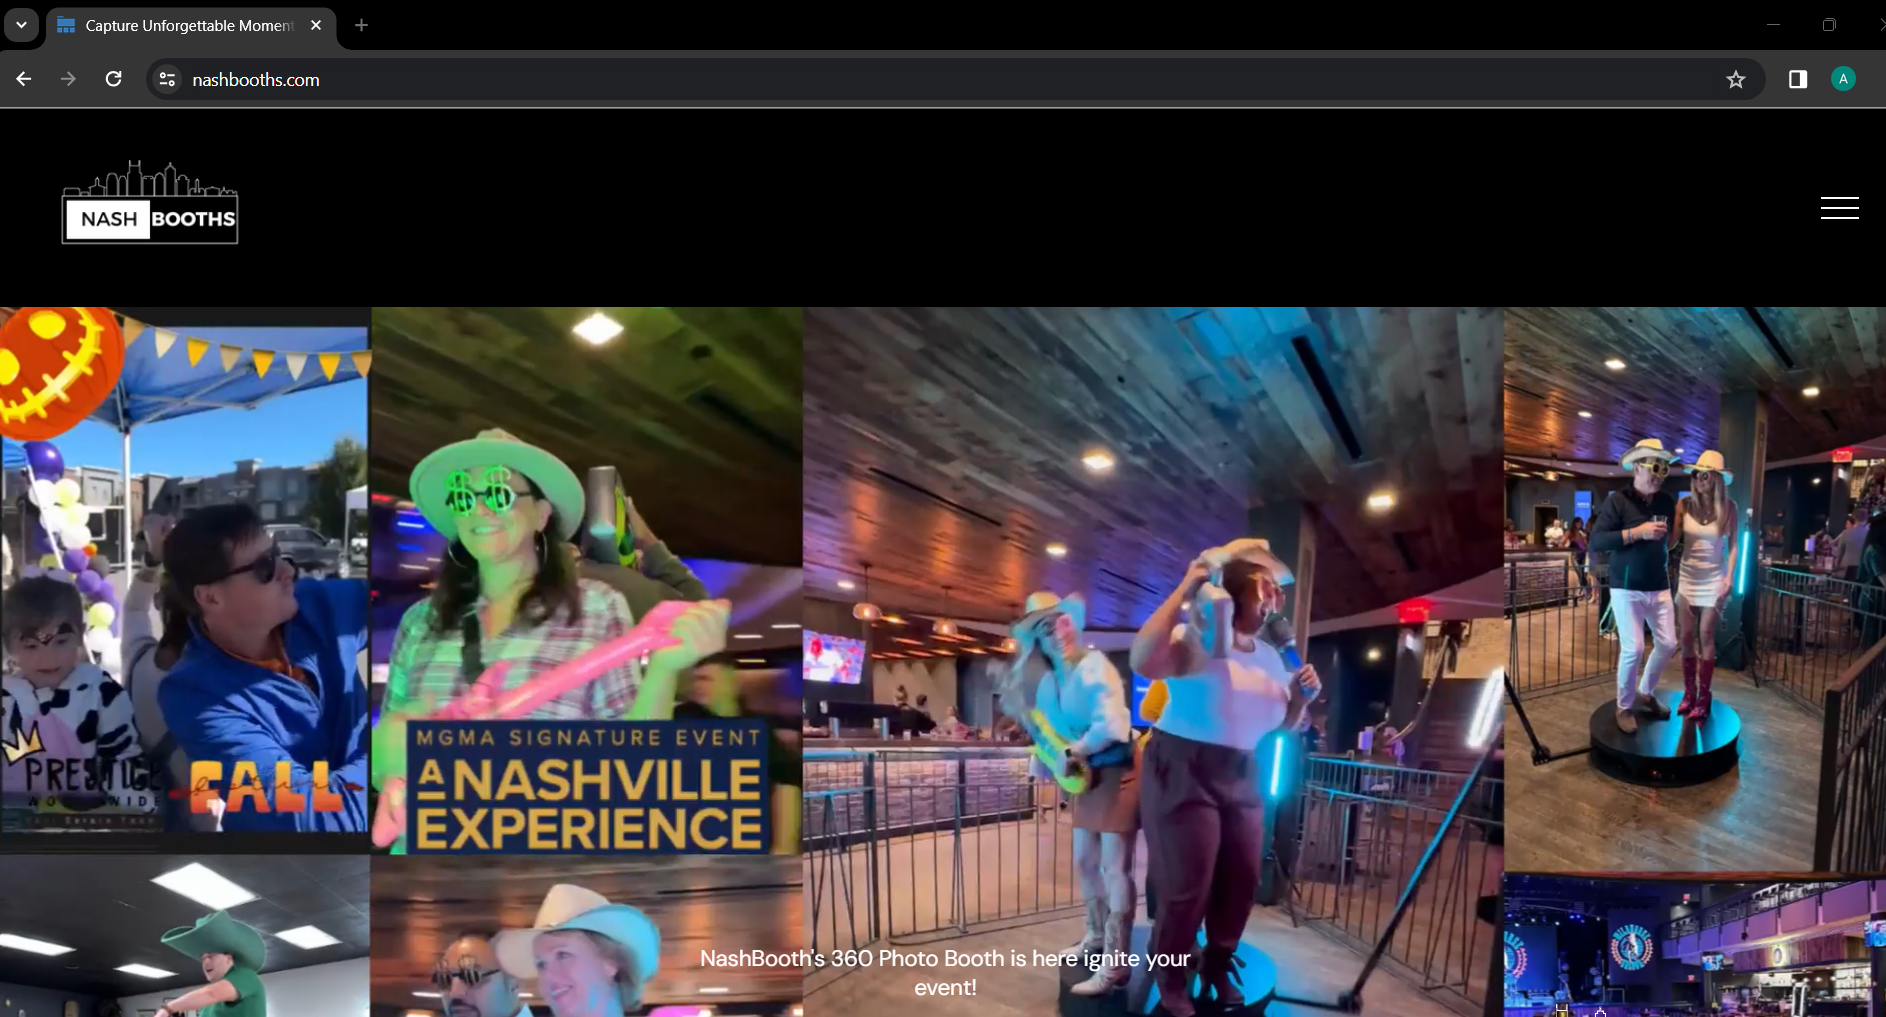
{"x":1080,"y":695}
{"x":1226,"y":689}
{"x":509,"y":593}
{"x":232,"y":955}
{"x":589,"y":958}
{"x":1707,"y":522}
{"x":1632,"y":525}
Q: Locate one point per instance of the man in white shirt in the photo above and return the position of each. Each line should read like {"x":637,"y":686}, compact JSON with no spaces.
{"x":1848,"y":545}
{"x":473,"y":983}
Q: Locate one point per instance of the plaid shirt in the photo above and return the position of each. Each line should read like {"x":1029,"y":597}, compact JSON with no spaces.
{"x":424,"y":673}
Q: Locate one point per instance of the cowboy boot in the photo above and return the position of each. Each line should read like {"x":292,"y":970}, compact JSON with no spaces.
{"x":1113,"y":971}
{"x":1092,"y":939}
{"x":1218,"y":973}
{"x":1689,"y":686}
{"x":1175,"y":992}
{"x":1706,"y":675}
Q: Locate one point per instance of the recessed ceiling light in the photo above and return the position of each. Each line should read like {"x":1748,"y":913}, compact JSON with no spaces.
{"x":1097,"y":461}
{"x":713,"y":990}
{"x":1057,"y":550}
{"x":598,"y":328}
{"x":205,"y":887}
{"x":1585,"y":413}
{"x":1614,"y":364}
{"x":38,"y":946}
{"x":750,"y":660}
{"x":1381,"y":501}
{"x":307,"y":937}
{"x":1811,"y":391}
{"x":747,"y":635}
{"x":1817,"y":480}
{"x":787,"y":625}
{"x":146,"y":971}
{"x":846,"y":584}
{"x":894,"y":619}
{"x":526,"y":995}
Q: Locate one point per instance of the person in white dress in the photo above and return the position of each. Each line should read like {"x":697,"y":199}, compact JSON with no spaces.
{"x":1707,"y":521}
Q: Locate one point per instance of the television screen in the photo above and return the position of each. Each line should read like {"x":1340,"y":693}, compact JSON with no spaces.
{"x":1712,"y":962}
{"x":833,"y":658}
{"x":1876,"y":933}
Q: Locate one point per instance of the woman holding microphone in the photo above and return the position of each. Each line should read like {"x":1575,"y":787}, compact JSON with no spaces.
{"x":1199,"y":802}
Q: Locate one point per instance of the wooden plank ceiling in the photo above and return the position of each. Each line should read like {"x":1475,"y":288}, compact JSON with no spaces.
{"x":1679,"y":361}
{"x":699,"y":903}
{"x":943,"y":446}
{"x":697,"y":407}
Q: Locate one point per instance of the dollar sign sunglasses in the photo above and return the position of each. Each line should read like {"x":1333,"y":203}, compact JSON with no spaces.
{"x":494,"y":489}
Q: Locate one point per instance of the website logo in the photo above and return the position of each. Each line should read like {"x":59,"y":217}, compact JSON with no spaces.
{"x":244,"y":792}
{"x":135,"y":207}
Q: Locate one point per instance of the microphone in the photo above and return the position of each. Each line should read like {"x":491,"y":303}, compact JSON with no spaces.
{"x":1282,"y":635}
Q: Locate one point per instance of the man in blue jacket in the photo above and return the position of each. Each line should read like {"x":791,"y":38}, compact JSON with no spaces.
{"x":268,"y":672}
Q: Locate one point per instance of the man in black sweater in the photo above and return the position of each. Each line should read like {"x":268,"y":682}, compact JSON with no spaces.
{"x":1634,"y":526}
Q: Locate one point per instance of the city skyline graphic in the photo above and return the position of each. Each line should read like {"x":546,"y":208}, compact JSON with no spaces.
{"x":135,"y":183}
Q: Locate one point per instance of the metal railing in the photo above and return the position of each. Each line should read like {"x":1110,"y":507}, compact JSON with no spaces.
{"x":1809,"y":630}
{"x":916,"y":843}
{"x":1361,"y":828}
{"x":1743,"y":905}
{"x":1560,"y":633}
{"x":1850,"y":835}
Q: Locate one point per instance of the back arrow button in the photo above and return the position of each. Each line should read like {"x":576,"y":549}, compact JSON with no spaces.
{"x":22,"y":79}
{"x":69,"y":79}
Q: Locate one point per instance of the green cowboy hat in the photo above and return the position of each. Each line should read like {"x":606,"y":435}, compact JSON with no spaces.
{"x":496,"y":448}
{"x":219,"y":933}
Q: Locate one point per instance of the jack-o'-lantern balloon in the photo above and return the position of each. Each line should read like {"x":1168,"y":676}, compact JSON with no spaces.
{"x":56,"y":365}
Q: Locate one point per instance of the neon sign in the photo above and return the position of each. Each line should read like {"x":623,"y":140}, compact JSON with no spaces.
{"x":1631,"y":948}
{"x":1515,"y":956}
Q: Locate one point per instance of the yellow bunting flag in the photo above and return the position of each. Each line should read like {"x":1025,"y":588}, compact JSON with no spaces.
{"x":329,"y":363}
{"x":196,"y":348}
{"x":165,"y":339}
{"x":132,"y":327}
{"x":230,"y":355}
{"x":263,"y":358}
{"x":362,"y":361}
{"x":296,"y":361}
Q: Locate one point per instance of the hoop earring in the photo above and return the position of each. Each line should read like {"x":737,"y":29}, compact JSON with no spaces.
{"x":451,"y":551}
{"x":543,"y":550}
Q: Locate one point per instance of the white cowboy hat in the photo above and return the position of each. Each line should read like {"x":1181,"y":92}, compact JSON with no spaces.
{"x":1649,"y":448}
{"x":1711,"y":462}
{"x":1255,"y":550}
{"x":1042,"y":603}
{"x":567,"y":908}
{"x":496,"y":448}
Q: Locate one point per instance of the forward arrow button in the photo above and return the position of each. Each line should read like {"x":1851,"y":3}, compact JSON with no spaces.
{"x":69,"y":79}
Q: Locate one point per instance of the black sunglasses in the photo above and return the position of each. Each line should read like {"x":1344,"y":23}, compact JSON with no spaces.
{"x":263,"y":567}
{"x":466,"y":970}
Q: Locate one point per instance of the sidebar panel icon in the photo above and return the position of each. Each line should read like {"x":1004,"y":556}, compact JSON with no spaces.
{"x":1797,"y":79}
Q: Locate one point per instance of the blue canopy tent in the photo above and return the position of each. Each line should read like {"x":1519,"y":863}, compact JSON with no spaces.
{"x":12,"y":457}
{"x":152,"y":389}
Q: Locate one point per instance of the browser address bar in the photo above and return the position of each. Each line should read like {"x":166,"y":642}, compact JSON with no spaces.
{"x":958,"y":79}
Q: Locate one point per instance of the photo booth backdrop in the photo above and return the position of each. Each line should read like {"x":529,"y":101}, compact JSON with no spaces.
{"x":338,"y":989}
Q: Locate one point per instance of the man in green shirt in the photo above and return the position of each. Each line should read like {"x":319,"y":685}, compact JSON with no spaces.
{"x":231,"y":953}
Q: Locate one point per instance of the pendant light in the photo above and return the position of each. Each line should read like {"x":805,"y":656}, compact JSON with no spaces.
{"x":944,"y":626}
{"x":1007,"y":645}
{"x":864,"y":610}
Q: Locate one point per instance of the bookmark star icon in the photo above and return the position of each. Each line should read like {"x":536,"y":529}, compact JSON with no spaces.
{"x":1736,"y":78}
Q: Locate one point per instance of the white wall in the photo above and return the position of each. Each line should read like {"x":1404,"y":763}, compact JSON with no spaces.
{"x":934,"y":677}
{"x":324,"y":990}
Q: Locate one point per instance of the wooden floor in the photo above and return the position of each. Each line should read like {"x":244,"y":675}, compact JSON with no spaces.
{"x":1565,"y":816}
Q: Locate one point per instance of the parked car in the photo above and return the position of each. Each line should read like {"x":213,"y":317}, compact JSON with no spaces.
{"x":313,"y":554}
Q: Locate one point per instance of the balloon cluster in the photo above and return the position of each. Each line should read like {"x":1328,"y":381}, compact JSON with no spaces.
{"x":62,"y":543}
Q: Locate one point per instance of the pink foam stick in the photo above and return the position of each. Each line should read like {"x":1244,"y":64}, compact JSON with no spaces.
{"x":484,"y":701}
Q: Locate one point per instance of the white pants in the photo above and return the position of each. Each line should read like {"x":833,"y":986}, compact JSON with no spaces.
{"x":1633,"y":609}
